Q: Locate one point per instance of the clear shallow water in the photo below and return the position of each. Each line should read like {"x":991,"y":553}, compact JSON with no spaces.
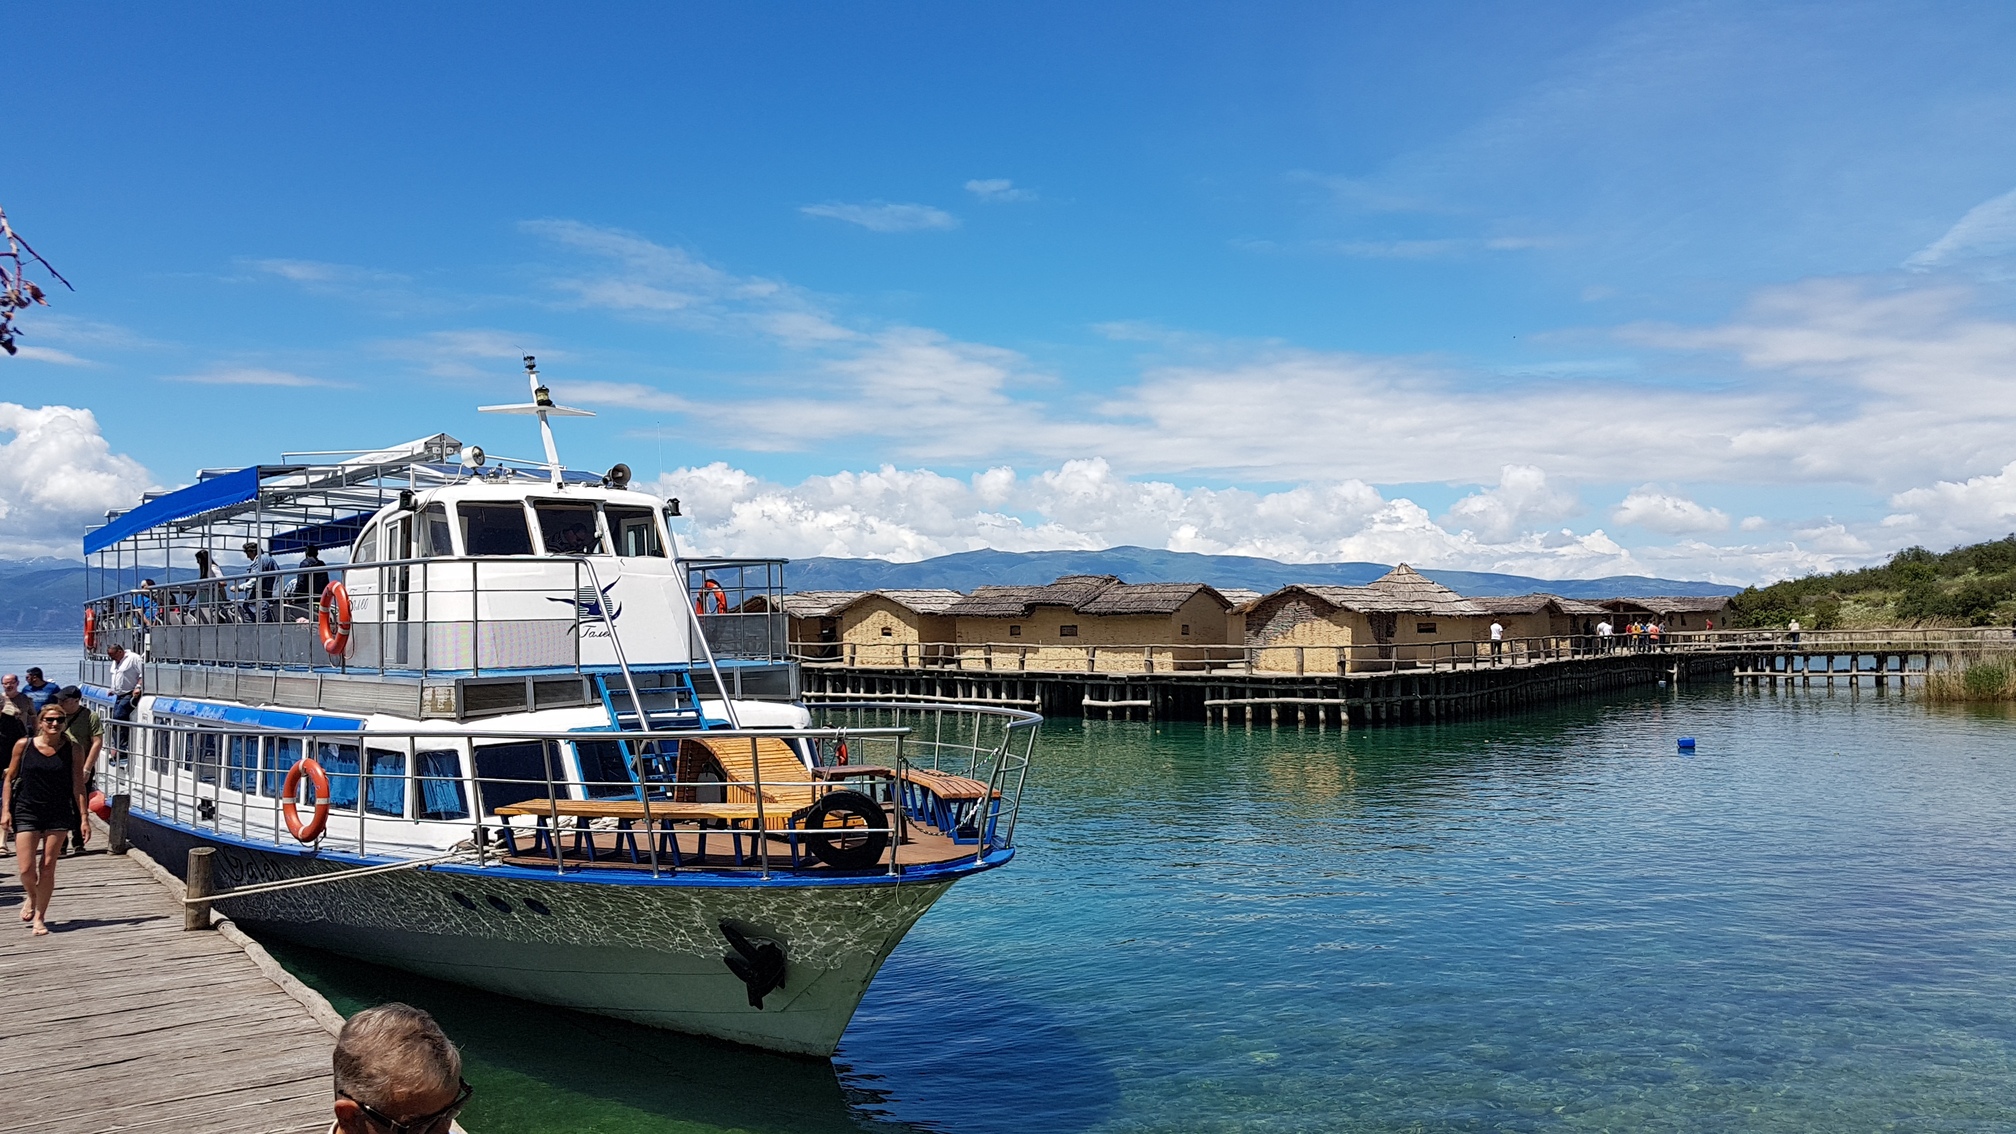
{"x":57,"y":654}
{"x":1545,"y":922}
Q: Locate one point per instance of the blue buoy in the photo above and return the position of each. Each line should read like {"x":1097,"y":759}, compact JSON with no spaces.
{"x":1687,"y":742}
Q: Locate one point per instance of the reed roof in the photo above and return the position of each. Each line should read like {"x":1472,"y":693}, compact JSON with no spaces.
{"x":1149,"y":598}
{"x":811,"y":604}
{"x":920,"y":600}
{"x":1668,"y":604}
{"x":1403,"y":590}
{"x":1538,"y":603}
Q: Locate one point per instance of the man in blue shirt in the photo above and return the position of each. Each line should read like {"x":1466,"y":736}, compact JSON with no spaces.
{"x":39,"y":691}
{"x":263,"y":580}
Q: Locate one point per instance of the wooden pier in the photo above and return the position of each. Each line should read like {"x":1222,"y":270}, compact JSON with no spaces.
{"x":120,"y":1020}
{"x":1339,"y":700}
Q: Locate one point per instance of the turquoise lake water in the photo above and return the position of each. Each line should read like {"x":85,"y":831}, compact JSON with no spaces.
{"x":1545,"y":922}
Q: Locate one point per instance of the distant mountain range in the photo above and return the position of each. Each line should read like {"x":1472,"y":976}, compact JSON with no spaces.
{"x":45,"y":594}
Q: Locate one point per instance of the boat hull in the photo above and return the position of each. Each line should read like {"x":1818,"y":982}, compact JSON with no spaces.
{"x":629,"y":946}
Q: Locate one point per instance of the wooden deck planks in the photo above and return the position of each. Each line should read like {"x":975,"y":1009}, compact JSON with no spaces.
{"x":120,"y":1020}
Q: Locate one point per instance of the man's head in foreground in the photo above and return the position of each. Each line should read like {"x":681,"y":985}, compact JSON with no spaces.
{"x":396,"y":1072}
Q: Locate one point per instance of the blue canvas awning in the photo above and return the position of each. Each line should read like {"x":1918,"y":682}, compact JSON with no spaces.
{"x":208,"y":495}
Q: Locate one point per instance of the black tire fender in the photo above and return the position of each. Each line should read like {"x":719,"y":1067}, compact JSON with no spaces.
{"x":843,"y":809}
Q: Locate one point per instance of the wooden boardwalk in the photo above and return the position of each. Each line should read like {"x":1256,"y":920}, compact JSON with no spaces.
{"x":119,"y":1020}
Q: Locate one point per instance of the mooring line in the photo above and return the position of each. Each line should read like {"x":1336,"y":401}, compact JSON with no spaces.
{"x":331,"y":876}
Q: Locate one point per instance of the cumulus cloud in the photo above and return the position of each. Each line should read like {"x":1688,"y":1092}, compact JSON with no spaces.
{"x":1988,"y":229}
{"x":1981,"y":507}
{"x":998,"y":190}
{"x":882,"y":216}
{"x":58,"y":477}
{"x":1522,"y":499}
{"x":1669,"y":513}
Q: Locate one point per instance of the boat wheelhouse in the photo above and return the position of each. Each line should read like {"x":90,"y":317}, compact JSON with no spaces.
{"x":490,"y":726}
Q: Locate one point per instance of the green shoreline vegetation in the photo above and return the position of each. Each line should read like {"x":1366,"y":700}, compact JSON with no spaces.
{"x":1973,"y":585}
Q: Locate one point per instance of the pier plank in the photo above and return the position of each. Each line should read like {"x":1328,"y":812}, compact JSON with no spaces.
{"x":121,"y":1020}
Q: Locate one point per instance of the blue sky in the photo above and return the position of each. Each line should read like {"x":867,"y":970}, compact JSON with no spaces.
{"x":1719,"y":290}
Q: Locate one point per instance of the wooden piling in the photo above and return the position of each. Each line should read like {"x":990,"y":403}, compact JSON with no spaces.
{"x":196,"y":915}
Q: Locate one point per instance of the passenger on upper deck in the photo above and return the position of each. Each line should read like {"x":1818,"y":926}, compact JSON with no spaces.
{"x":145,"y":605}
{"x":206,"y":597}
{"x":308,"y":584}
{"x":262,"y":580}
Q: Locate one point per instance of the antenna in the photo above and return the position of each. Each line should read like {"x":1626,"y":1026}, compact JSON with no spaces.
{"x":542,"y":407}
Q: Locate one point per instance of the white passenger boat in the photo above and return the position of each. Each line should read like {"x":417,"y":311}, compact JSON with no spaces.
{"x":507,"y":737}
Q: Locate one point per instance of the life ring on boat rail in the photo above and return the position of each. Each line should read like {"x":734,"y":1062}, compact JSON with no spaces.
{"x":90,"y":627}
{"x":711,"y":590}
{"x":333,"y":623}
{"x":311,"y":830}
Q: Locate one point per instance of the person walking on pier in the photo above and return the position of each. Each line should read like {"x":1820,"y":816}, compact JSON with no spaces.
{"x":1603,"y":633}
{"x":1497,"y":640}
{"x":15,"y":703}
{"x":43,"y":791}
{"x":85,"y":730}
{"x":396,"y":1071}
{"x":39,"y":692}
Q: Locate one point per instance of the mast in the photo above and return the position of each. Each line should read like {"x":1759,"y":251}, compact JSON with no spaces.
{"x":541,"y":407}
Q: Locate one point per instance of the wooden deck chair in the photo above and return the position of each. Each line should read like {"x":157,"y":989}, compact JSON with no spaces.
{"x":787,"y":785}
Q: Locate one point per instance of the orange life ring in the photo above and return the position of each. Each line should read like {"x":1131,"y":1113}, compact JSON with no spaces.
{"x":333,"y":623}
{"x":90,"y":627}
{"x":711,"y":589}
{"x":310,"y":831}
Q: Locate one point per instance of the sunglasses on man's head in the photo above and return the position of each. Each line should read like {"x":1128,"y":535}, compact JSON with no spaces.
{"x":436,"y":1123}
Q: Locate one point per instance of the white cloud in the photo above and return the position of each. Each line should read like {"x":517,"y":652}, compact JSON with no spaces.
{"x":467,"y":353}
{"x":1647,"y":507}
{"x":1981,"y":507}
{"x":626,"y":395}
{"x":50,"y":355}
{"x":58,"y":477}
{"x":998,"y":190}
{"x":1754,"y":524}
{"x":1988,"y":229}
{"x":321,"y":274}
{"x":881,"y":216}
{"x":1522,"y":498}
{"x":253,"y":376}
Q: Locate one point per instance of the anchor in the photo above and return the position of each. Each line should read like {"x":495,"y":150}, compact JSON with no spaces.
{"x":760,"y":964}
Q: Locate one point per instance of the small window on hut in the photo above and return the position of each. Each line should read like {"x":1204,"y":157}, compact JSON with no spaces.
{"x":1067,"y":631}
{"x":1424,"y":627}
{"x":1186,"y":629}
{"x":888,"y":632}
{"x":1014,"y":631}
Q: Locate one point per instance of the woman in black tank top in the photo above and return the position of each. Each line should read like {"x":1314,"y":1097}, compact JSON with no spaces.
{"x":42,"y":799}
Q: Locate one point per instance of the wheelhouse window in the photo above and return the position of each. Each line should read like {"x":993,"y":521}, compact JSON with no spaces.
{"x":367,"y":546}
{"x":635,"y":531}
{"x":494,"y":529}
{"x":568,"y":528}
{"x":438,"y":536}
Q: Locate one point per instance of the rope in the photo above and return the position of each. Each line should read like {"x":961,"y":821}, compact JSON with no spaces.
{"x":331,"y":876}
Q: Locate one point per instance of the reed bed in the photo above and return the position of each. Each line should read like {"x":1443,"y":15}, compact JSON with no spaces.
{"x":1979,"y":681}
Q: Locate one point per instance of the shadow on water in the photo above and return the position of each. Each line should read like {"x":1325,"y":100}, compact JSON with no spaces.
{"x":929,"y":1056}
{"x":538,"y":1068}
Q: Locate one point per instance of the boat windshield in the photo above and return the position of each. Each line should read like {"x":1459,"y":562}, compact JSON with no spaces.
{"x":494,"y":528}
{"x":568,"y":527}
{"x":635,"y":531}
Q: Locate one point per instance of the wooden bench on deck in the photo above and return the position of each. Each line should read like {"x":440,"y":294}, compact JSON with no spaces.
{"x":948,"y":802}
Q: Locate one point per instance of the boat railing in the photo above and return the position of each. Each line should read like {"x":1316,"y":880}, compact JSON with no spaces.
{"x":406,"y":794}
{"x":1364,"y":658}
{"x":738,"y":607}
{"x":445,"y":614}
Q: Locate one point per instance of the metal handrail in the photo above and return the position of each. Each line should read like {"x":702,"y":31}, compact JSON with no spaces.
{"x":172,"y":782}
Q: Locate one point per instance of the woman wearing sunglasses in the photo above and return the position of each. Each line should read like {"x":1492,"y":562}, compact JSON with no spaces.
{"x":42,"y":800}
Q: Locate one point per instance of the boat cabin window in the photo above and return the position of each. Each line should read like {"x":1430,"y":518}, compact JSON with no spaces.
{"x":568,"y":528}
{"x":281,"y":754}
{"x":434,"y":525}
{"x":241,"y":764}
{"x":385,"y":783}
{"x":439,"y":775}
{"x":494,"y":529}
{"x":367,"y":546}
{"x":340,"y":761}
{"x":603,"y":769}
{"x":635,"y":531}
{"x":512,"y":773}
